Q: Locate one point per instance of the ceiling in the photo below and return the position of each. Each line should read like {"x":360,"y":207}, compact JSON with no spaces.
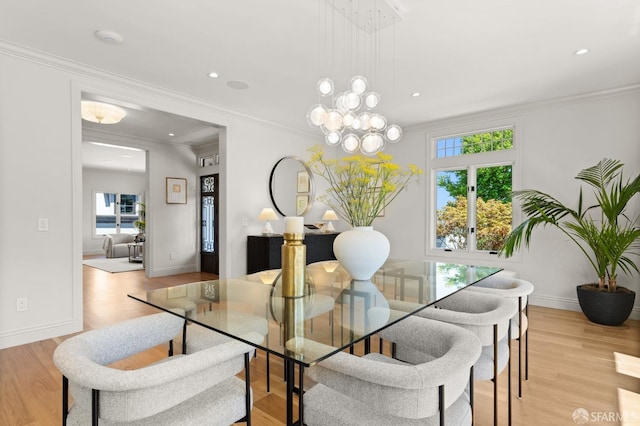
{"x":463,"y":56}
{"x":140,"y":123}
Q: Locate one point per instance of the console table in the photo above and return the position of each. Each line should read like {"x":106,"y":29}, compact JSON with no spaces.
{"x":265,"y":251}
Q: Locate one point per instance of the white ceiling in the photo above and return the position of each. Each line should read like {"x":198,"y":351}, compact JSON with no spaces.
{"x":464,"y":56}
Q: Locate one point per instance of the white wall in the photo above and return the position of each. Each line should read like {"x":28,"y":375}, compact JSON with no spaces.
{"x":558,"y":140}
{"x":102,"y":180}
{"x":41,"y":156}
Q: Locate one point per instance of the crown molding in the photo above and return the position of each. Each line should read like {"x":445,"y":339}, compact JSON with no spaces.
{"x":21,"y":52}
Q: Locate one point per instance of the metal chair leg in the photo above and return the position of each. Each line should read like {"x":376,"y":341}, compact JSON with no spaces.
{"x":526,"y":346}
{"x":65,"y":400}
{"x":471,"y":396}
{"x":509,"y":372}
{"x":95,"y":406}
{"x":495,"y":374}
{"x":247,"y":388}
{"x":441,"y":404}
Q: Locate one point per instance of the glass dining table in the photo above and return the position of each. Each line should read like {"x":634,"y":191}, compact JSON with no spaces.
{"x":334,"y":314}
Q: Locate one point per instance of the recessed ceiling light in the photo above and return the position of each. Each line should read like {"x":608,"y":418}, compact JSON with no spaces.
{"x":213,"y":74}
{"x":415,"y":94}
{"x":171,"y":134}
{"x":581,"y":52}
{"x":110,"y":37}
{"x":238,"y":85}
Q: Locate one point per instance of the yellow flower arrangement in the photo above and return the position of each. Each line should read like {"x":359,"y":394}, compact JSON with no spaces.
{"x":360,"y":187}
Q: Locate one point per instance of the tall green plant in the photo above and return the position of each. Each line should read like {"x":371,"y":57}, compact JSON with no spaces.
{"x":604,"y":232}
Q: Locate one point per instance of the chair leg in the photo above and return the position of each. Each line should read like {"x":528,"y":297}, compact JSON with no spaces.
{"x":247,"y":388}
{"x":65,"y":400}
{"x":520,"y":347}
{"x":495,"y":374}
{"x":471,"y":396}
{"x":509,"y":372}
{"x":526,"y":346}
{"x":95,"y":406}
{"x":441,"y":403}
{"x":184,"y":338}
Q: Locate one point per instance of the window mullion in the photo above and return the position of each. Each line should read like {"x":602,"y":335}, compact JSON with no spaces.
{"x":471,"y":208}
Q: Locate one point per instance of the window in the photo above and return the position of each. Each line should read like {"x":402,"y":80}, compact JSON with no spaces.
{"x":116,"y":213}
{"x":471,"y":182}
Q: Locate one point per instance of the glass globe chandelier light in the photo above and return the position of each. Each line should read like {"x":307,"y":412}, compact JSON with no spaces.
{"x":349,"y":118}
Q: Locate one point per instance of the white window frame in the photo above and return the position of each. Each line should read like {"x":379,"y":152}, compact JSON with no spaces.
{"x":484,"y":159}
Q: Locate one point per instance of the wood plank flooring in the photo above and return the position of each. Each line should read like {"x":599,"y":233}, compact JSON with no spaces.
{"x":573,"y":364}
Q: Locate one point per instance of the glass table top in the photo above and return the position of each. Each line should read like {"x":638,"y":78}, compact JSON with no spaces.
{"x":334,"y":313}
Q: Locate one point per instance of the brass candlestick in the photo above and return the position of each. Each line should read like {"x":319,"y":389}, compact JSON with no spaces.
{"x":294,"y":260}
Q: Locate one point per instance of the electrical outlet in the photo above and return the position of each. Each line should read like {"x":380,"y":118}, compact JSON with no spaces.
{"x":21,"y":304}
{"x":245,"y":222}
{"x":172,"y":255}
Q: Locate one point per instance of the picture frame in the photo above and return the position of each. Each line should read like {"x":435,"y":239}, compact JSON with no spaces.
{"x":176,"y":190}
{"x":302,"y":201}
{"x":303,"y":181}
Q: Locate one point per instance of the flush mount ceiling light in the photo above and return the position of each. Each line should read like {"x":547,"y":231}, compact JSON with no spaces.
{"x":98,"y":112}
{"x":213,"y":74}
{"x":348,"y":118}
{"x":581,"y":52}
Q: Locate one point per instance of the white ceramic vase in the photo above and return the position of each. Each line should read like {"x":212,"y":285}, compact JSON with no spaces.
{"x":361,"y":251}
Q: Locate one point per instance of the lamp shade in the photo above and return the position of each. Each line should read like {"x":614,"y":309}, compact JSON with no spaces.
{"x":102,"y":113}
{"x":267,"y":214}
{"x":329,"y":215}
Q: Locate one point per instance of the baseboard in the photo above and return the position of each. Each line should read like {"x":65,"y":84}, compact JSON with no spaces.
{"x":569,"y":304}
{"x":92,"y":252}
{"x":33,"y":334}
{"x":174,"y":270}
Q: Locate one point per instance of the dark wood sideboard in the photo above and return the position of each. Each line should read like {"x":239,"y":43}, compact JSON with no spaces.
{"x":265,"y":251}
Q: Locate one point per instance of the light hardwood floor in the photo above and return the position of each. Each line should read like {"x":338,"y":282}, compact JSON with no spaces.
{"x":573,"y":364}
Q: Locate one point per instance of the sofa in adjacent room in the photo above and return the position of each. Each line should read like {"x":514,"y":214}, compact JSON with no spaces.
{"x":115,"y":245}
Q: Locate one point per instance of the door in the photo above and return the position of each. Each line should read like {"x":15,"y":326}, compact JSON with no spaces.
{"x":209,"y":258}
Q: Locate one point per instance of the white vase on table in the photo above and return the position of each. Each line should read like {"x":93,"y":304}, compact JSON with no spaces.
{"x":361,"y":251}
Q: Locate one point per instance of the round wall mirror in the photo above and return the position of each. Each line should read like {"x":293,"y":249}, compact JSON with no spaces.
{"x":291,"y":187}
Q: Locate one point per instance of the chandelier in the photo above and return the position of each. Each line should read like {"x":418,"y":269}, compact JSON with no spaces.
{"x":348,"y":118}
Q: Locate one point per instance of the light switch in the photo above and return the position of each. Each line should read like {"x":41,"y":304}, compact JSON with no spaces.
{"x":43,"y":224}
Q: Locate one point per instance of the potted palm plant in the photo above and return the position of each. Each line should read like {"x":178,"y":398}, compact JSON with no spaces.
{"x":604,"y":232}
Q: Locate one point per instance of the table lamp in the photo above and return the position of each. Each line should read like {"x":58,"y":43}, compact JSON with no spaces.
{"x":329,"y":215}
{"x":267,"y":215}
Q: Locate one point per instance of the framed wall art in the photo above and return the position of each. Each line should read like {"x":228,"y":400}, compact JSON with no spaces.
{"x":302,"y":201}
{"x":176,"y":190}
{"x":303,"y":181}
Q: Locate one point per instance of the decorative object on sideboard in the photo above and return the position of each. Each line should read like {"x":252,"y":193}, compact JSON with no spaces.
{"x":266,"y":216}
{"x":329,"y":216}
{"x":359,"y":189}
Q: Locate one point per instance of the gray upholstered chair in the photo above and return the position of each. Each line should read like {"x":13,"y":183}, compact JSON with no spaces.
{"x":488,"y":317}
{"x":519,"y":290}
{"x":195,"y":389}
{"x":378,"y":390}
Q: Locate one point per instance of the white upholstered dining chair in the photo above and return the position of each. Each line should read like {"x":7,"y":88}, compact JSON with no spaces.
{"x":509,"y":287}
{"x":380,"y":391}
{"x":195,"y":389}
{"x":488,"y":317}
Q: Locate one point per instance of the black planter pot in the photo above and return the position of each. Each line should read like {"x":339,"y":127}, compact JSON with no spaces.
{"x":604,"y":307}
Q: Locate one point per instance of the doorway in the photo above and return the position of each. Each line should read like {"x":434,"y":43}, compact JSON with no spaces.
{"x":209,"y":245}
